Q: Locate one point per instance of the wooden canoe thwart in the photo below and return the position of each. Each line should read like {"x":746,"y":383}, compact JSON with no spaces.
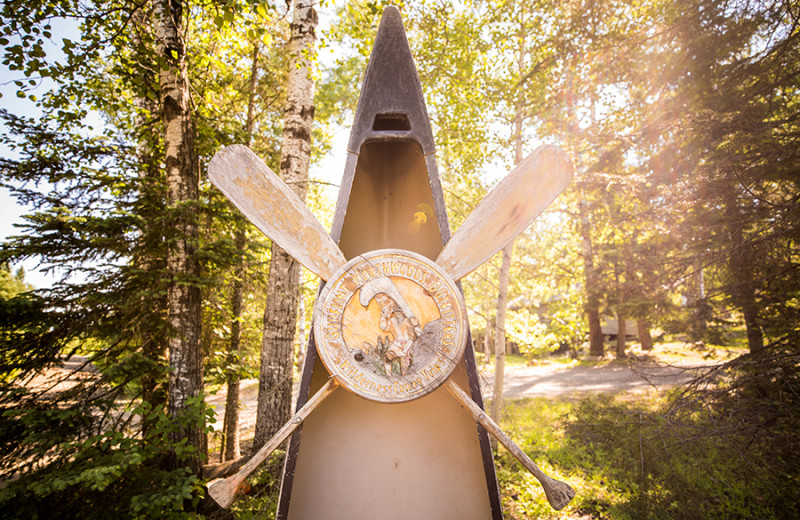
{"x":390,"y":325}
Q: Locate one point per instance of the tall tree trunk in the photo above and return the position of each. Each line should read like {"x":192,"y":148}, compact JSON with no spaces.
{"x":702,"y":311}
{"x":508,"y":251}
{"x":745,"y":296}
{"x":302,"y":333}
{"x":230,"y":424}
{"x":183,"y":298}
{"x":742,"y":266}
{"x":487,"y":341}
{"x":149,"y":256}
{"x":592,"y":303}
{"x":280,"y":314}
{"x":622,"y":332}
{"x":643,"y":331}
{"x":591,"y":306}
{"x":622,"y":325}
{"x":500,"y":333}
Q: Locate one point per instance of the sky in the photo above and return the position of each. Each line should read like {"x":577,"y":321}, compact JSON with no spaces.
{"x":10,"y":211}
{"x":329,"y":169}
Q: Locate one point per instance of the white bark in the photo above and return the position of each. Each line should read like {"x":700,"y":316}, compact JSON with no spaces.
{"x":185,"y":357}
{"x":280,"y":315}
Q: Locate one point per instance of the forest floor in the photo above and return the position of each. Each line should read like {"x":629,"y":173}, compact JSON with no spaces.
{"x":664,"y":367}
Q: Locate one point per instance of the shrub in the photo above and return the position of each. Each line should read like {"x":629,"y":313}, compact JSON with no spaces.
{"x":725,"y":446}
{"x":74,"y":474}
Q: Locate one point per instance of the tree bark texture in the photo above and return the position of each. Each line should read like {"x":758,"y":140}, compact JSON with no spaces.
{"x":487,"y":343}
{"x":622,"y":295}
{"x":742,"y":266}
{"x":183,"y":297}
{"x":505,"y":266}
{"x":230,"y":425}
{"x":622,"y":332}
{"x":702,"y":311}
{"x":280,"y":314}
{"x":592,"y":303}
{"x":500,"y":330}
{"x":643,"y":331}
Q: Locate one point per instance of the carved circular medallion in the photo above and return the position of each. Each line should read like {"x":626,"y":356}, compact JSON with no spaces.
{"x":390,"y":325}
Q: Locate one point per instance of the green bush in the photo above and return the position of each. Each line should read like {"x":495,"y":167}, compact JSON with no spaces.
{"x":106,"y":475}
{"x":725,"y":446}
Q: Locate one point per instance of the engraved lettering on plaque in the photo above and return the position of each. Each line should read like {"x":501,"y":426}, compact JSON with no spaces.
{"x":391,"y":325}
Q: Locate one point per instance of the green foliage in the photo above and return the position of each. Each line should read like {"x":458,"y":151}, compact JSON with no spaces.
{"x":681,"y":118}
{"x":12,"y":285}
{"x":725,"y":446}
{"x":75,"y":472}
{"x":262,"y":491}
{"x":99,"y":219}
{"x":536,"y":426}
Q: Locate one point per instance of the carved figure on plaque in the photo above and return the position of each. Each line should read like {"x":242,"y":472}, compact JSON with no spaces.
{"x":391,"y":324}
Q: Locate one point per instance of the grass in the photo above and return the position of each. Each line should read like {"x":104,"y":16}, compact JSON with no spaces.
{"x":720,"y":448}
{"x":725,"y":447}
{"x":536,"y":425}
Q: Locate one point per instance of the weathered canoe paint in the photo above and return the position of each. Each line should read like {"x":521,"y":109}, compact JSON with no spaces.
{"x":359,"y":459}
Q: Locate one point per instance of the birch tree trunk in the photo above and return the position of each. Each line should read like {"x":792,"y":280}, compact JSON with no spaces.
{"x":183,"y":297}
{"x":280,"y":314}
{"x":508,"y":251}
{"x":500,"y":335}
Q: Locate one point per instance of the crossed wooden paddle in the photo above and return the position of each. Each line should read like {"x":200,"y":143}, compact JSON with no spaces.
{"x":400,"y":293}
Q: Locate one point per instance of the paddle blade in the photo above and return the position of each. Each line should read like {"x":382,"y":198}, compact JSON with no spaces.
{"x":274,"y":209}
{"x":507,"y":210}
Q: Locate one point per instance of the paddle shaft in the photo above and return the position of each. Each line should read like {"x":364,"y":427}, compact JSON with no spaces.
{"x":558,"y":493}
{"x":224,"y":490}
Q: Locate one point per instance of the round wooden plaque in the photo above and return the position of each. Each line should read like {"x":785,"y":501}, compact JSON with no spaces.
{"x":390,"y":325}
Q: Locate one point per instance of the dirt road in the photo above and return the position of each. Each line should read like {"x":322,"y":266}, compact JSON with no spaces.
{"x":559,"y":380}
{"x":666,"y":366}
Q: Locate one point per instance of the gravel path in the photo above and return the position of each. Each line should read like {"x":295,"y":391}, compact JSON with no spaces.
{"x":558,"y":380}
{"x":668,"y":366}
